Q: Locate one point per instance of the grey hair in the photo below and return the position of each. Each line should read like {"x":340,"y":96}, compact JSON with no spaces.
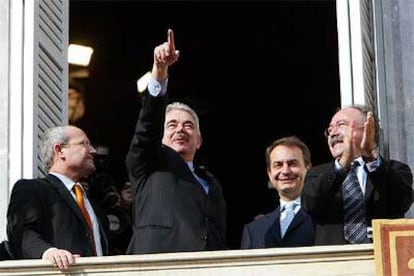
{"x":51,"y":137}
{"x":186,"y":108}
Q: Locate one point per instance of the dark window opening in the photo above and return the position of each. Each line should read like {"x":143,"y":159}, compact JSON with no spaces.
{"x":255,"y":71}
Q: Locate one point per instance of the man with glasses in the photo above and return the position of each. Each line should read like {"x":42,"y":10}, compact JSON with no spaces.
{"x":51,"y":217}
{"x":383,"y":188}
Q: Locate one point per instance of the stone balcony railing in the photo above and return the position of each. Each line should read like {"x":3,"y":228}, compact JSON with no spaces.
{"x":314,"y":261}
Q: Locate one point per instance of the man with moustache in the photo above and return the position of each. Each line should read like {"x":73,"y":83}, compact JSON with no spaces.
{"x":386,"y":185}
{"x":177,"y":206}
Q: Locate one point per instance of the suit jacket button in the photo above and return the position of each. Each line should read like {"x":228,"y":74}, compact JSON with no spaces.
{"x":204,"y":238}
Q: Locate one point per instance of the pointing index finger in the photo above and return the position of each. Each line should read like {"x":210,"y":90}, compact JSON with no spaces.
{"x":171,"y":41}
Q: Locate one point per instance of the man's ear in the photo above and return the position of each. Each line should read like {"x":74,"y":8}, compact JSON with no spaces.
{"x":200,"y":141}
{"x":269,"y":174}
{"x":58,"y":150}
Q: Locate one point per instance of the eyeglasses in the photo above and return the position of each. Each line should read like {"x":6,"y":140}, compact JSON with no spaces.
{"x":87,"y":144}
{"x":340,"y":125}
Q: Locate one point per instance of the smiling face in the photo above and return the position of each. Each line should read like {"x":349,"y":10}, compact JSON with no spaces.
{"x":181,"y":133}
{"x":339,"y":125}
{"x":287,"y":171}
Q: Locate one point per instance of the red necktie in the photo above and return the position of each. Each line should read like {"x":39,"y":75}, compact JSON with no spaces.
{"x":81,"y":203}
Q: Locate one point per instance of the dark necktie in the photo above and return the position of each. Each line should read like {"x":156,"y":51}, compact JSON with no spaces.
{"x":355,"y":227}
{"x":81,"y":203}
{"x":287,"y":215}
{"x":201,"y":175}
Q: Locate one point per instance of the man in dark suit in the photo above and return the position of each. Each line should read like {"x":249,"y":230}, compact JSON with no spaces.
{"x":353,"y":136}
{"x":177,"y":206}
{"x":44,"y":219}
{"x":287,"y":159}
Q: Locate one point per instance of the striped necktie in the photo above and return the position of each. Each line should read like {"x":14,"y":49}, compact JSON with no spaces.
{"x":355,"y":227}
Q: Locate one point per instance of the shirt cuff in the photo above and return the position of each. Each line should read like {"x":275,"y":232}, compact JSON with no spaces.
{"x":373,"y":165}
{"x":157,"y":88}
{"x":338,"y":167}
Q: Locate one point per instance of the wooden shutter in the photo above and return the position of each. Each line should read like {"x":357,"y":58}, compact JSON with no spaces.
{"x":46,"y":88}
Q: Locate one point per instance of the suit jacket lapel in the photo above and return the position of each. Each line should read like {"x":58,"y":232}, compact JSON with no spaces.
{"x":369,"y":188}
{"x":177,"y":164}
{"x":272,"y":236}
{"x":57,"y":184}
{"x":66,"y":195}
{"x":297,"y":220}
{"x":212,"y":182}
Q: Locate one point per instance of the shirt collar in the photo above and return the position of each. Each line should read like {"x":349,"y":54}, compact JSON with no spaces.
{"x":69,"y":183}
{"x":283,"y":202}
{"x":190,"y":165}
{"x":360,"y":160}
